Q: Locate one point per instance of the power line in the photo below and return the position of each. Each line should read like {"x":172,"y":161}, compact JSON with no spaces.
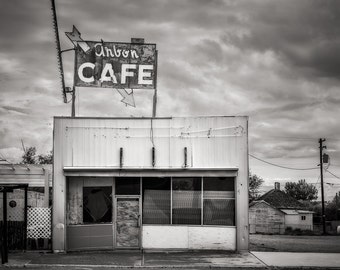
{"x":284,"y":167}
{"x":332,"y":184}
{"x":332,"y":174}
{"x":294,"y":138}
{"x":284,"y":137}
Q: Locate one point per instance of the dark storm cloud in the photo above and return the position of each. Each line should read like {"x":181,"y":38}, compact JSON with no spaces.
{"x":192,"y":13}
{"x":21,"y":20}
{"x":304,"y":33}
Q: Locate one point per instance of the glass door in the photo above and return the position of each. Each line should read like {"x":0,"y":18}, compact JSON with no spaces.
{"x":128,"y":222}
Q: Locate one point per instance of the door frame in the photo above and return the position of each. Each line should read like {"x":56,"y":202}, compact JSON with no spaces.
{"x":139,"y":197}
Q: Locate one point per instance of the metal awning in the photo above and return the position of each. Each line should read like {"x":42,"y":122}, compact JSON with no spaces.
{"x":149,"y":172}
{"x":10,"y":187}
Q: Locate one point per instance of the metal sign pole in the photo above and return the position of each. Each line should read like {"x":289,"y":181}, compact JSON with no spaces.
{"x":25,"y":217}
{"x":154,"y":103}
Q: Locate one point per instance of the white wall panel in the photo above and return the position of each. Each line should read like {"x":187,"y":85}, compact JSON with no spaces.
{"x":188,"y":237}
{"x":169,"y":237}
{"x":212,"y":238}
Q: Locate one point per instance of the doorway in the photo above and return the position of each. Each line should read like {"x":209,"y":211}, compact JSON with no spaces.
{"x":128,"y":221}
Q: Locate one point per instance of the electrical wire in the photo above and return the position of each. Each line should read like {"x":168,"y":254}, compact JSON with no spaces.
{"x":332,"y":174}
{"x":283,"y":167}
{"x":151,"y":133}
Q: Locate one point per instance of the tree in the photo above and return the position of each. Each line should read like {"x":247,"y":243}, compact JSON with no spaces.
{"x":255,"y":182}
{"x":29,"y":156}
{"x":45,"y":159}
{"x":331,"y":210}
{"x":301,"y":190}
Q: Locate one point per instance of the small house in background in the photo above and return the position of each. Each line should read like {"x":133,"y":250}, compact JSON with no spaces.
{"x":275,"y":211}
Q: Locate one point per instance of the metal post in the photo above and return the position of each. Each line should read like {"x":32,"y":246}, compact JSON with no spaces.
{"x":121,"y":157}
{"x":336,"y":206}
{"x":46,"y":189}
{"x":154,"y":103}
{"x":322,"y":191}
{"x":25,"y":218}
{"x":4,"y":257}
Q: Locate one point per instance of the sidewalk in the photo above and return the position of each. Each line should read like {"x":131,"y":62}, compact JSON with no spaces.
{"x":155,"y":260}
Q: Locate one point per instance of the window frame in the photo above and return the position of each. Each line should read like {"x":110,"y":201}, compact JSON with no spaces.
{"x":201,"y":203}
{"x":224,"y":199}
{"x":84,"y":207}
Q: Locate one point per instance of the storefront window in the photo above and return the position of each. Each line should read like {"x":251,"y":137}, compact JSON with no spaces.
{"x":127,"y":185}
{"x":97,"y":204}
{"x":186,"y":201}
{"x":156,"y":200}
{"x":218,"y":201}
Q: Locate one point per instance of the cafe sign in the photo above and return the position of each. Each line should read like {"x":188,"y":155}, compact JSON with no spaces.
{"x":115,"y":65}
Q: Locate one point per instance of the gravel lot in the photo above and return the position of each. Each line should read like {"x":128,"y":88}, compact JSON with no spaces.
{"x":293,"y":243}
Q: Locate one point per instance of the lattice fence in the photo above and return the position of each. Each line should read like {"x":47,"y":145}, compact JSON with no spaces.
{"x":39,"y":223}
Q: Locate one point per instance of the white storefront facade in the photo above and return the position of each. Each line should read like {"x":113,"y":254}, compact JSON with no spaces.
{"x":150,"y":183}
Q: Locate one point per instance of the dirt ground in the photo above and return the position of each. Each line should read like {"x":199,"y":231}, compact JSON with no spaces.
{"x":294,"y":243}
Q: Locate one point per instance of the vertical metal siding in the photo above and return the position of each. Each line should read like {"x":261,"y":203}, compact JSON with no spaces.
{"x":212,"y":142}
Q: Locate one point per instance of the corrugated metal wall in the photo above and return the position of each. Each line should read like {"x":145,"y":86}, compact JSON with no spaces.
{"x":211,"y":142}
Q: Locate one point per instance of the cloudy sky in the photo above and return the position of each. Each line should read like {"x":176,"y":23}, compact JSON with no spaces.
{"x":277,"y":62}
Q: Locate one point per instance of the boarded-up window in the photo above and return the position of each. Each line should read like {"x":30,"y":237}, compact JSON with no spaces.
{"x":97,"y":204}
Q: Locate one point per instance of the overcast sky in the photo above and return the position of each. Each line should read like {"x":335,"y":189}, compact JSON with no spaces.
{"x":277,"y":62}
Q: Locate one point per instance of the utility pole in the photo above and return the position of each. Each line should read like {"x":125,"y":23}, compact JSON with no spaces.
{"x":322,"y":192}
{"x":336,"y":206}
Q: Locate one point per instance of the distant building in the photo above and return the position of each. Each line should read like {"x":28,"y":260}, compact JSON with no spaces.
{"x":275,"y":211}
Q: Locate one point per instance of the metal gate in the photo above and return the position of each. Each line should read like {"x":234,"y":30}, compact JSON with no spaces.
{"x":16,"y":203}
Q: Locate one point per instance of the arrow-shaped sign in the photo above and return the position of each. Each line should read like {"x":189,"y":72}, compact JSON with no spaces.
{"x":75,"y":38}
{"x":128,"y":98}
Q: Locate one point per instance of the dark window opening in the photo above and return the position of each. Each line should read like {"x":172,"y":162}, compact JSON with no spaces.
{"x":186,"y":201}
{"x":156,"y":200}
{"x":127,"y":186}
{"x":97,"y":204}
{"x":218,"y":201}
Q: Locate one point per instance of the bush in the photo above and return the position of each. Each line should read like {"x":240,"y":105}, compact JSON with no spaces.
{"x":298,"y":231}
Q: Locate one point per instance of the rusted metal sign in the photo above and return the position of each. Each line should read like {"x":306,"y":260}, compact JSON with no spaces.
{"x":116,"y":65}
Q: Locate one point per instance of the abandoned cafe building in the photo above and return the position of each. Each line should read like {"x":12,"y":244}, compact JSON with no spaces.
{"x":172,"y":183}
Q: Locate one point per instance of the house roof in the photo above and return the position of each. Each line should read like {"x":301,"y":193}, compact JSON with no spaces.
{"x":295,"y":212}
{"x":280,"y":199}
